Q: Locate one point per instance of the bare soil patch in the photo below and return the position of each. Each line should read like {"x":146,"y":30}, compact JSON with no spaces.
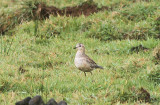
{"x":42,"y":11}
{"x":86,"y":8}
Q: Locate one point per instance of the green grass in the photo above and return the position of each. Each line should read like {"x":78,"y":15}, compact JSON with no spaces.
{"x":48,"y":56}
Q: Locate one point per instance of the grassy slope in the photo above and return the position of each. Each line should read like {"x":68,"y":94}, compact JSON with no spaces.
{"x":50,"y":61}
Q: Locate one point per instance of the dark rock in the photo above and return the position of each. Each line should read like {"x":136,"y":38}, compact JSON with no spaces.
{"x":62,"y":103}
{"x":52,"y":102}
{"x":37,"y":100}
{"x":24,"y":101}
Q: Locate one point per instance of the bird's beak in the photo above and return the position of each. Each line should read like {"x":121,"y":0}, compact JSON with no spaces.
{"x":74,"y":47}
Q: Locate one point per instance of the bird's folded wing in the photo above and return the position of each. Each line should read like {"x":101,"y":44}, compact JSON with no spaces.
{"x":90,"y":61}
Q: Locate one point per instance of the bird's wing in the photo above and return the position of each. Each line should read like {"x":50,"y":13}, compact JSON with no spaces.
{"x":90,"y":61}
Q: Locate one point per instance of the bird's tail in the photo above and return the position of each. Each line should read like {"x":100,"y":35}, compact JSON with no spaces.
{"x":99,"y":67}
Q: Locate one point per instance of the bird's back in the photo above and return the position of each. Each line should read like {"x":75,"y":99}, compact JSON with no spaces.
{"x":82,"y":64}
{"x":85,"y":63}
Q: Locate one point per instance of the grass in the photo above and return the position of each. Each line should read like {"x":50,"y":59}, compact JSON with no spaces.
{"x":47,"y":55}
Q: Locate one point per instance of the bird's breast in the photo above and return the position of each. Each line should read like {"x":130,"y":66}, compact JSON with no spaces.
{"x":82,"y":64}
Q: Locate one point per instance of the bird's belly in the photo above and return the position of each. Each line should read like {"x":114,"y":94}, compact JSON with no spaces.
{"x":82,"y":65}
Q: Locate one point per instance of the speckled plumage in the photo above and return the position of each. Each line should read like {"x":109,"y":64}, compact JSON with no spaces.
{"x":82,"y":61}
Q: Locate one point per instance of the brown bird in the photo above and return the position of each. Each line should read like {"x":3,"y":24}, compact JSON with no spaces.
{"x":83,"y":62}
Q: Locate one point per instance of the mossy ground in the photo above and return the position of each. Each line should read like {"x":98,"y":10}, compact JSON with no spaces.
{"x":47,"y":55}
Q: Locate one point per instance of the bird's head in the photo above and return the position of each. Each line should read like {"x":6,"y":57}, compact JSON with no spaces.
{"x":80,"y":46}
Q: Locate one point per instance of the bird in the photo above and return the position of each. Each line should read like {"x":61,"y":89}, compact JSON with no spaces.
{"x":84,"y":62}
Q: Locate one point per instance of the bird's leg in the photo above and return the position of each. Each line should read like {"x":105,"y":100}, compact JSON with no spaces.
{"x":91,"y":72}
{"x":85,"y":73}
